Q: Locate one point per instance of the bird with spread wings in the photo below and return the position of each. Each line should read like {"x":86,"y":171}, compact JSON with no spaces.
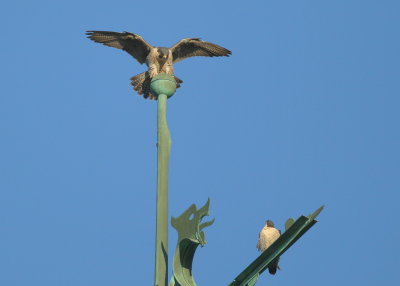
{"x":157,"y":59}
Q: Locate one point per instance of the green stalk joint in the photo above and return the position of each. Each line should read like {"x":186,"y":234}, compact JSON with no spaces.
{"x":163,"y":84}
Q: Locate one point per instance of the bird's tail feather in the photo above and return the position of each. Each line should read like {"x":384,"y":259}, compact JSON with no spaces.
{"x":273,"y":267}
{"x":141,"y":84}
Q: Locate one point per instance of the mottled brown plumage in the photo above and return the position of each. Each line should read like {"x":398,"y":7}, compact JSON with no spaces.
{"x":158,"y":59}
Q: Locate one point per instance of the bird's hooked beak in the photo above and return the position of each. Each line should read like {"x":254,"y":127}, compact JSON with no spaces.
{"x":165,"y":56}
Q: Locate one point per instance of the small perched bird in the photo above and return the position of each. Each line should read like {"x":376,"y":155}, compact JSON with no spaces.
{"x":157,"y":59}
{"x":267,"y":236}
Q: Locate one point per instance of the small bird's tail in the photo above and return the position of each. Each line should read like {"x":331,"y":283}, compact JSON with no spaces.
{"x":141,"y":84}
{"x":273,"y":267}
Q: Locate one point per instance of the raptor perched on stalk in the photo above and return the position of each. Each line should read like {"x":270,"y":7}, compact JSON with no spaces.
{"x":158,"y":59}
{"x":267,"y":237}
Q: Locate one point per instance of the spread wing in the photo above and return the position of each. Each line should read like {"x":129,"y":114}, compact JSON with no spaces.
{"x":194,"y":47}
{"x":134,"y":44}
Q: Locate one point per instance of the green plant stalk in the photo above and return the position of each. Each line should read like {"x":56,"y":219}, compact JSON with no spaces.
{"x":163,"y":151}
{"x":294,"y":230}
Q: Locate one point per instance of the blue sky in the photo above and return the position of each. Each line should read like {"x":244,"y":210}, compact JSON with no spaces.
{"x":304,"y":113}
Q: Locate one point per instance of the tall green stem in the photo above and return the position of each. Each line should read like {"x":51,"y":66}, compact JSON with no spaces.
{"x":162,"y":86}
{"x":163,"y":150}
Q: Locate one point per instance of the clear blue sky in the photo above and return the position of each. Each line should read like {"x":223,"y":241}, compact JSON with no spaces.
{"x":304,"y":113}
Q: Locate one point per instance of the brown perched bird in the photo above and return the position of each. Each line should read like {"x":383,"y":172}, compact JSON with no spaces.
{"x":267,"y":237}
{"x":158,"y":59}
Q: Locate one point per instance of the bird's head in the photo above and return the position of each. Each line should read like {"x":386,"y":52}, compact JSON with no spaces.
{"x":163,"y":52}
{"x":270,"y":223}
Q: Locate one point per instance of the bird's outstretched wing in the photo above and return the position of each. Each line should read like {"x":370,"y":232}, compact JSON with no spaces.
{"x":193,"y":47}
{"x":134,"y":44}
